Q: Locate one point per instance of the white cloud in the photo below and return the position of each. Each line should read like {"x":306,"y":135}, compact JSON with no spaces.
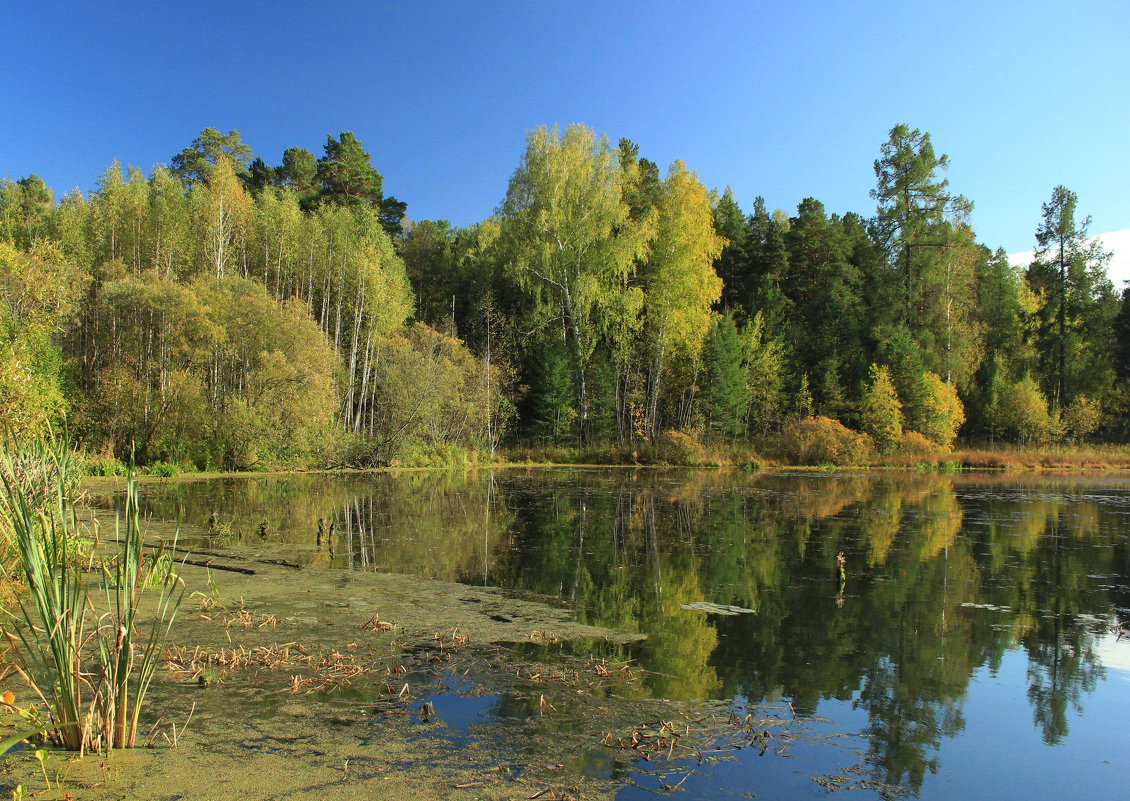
{"x":1116,"y":242}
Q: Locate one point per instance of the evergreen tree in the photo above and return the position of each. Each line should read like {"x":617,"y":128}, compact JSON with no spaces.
{"x":731,"y":266}
{"x":347,"y":178}
{"x":767,"y":264}
{"x":727,"y":394}
{"x":192,"y":164}
{"x":298,"y":174}
{"x":911,"y":203}
{"x":1121,"y":332}
{"x":1068,"y":272}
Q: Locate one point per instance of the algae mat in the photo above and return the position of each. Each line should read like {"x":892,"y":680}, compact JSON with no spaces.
{"x":307,"y":683}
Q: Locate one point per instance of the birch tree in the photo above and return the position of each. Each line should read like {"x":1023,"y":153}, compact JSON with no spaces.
{"x":222,"y":211}
{"x":568,"y":238}
{"x":681,"y":285}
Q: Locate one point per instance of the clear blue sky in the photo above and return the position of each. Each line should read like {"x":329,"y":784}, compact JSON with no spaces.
{"x":784,"y":100}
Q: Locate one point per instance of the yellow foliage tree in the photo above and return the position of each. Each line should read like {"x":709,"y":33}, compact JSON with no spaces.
{"x":38,"y":291}
{"x":681,"y":283}
{"x":943,"y":412}
{"x":882,"y":411}
{"x":1025,"y":412}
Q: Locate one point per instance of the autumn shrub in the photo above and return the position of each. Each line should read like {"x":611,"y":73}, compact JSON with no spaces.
{"x":417,"y":453}
{"x":99,"y":465}
{"x":39,"y":291}
{"x":822,"y":440}
{"x":915,"y":446}
{"x":431,"y":392}
{"x":1081,"y":418}
{"x":679,"y":447}
{"x":217,"y":373}
{"x":1025,"y":413}
{"x":164,"y":469}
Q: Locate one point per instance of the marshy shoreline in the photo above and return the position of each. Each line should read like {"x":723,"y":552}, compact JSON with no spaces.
{"x":305,"y":683}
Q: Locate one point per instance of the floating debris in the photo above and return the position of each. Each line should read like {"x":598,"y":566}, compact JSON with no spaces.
{"x":376,"y":624}
{"x":990,"y":607}
{"x":718,"y":609}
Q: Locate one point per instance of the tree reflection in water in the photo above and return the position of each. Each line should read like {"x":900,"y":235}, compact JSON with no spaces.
{"x":944,"y":575}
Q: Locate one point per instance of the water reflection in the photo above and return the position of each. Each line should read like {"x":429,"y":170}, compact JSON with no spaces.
{"x":944,"y":576}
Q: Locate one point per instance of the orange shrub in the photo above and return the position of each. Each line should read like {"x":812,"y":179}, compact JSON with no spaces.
{"x":822,"y":440}
{"x":916,"y":446}
{"x":678,"y":447}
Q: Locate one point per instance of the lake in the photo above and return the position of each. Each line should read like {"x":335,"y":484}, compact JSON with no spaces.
{"x":970,"y":648}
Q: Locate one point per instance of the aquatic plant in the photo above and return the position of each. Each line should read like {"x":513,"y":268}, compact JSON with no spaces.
{"x":89,"y":706}
{"x":38,"y":513}
{"x":128,"y":661}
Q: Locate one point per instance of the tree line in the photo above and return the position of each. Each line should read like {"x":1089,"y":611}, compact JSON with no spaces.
{"x":226,"y":313}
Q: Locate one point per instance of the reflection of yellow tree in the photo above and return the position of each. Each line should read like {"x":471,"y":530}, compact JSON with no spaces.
{"x":1016,"y":527}
{"x":450,"y":526}
{"x":680,"y":641}
{"x":941,"y":522}
{"x":1084,"y":523}
{"x":613,"y":605}
{"x":881,"y":521}
{"x":818,"y":497}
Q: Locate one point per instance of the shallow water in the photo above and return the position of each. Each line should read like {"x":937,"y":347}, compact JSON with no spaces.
{"x":968,"y":651}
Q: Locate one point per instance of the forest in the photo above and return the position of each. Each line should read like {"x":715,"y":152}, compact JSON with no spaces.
{"x":223,"y":313}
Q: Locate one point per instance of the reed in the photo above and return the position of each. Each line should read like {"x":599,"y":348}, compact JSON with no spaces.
{"x":91,"y":670}
{"x":129,"y":649}
{"x":38,"y":511}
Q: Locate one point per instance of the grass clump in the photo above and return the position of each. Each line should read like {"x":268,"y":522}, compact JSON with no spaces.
{"x":90,"y":669}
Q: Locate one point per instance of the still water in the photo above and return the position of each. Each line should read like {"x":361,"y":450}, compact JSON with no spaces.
{"x":970,"y":649}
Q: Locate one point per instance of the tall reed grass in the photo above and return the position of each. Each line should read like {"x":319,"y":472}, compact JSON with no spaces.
{"x":90,"y":667}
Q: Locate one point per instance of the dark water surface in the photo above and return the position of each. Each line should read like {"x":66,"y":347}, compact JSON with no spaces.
{"x":969,"y":649}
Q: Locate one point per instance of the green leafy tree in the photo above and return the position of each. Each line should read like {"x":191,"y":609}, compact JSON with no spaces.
{"x":943,"y":412}
{"x":39,"y":290}
{"x":223,"y":214}
{"x":428,"y":250}
{"x":953,"y":318}
{"x":169,"y":234}
{"x":1082,"y":417}
{"x":569,"y":240}
{"x":764,"y":366}
{"x":1025,"y":412}
{"x":882,"y":411}
{"x":25,"y":210}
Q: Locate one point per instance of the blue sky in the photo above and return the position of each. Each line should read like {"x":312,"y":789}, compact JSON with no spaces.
{"x":784,"y":100}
